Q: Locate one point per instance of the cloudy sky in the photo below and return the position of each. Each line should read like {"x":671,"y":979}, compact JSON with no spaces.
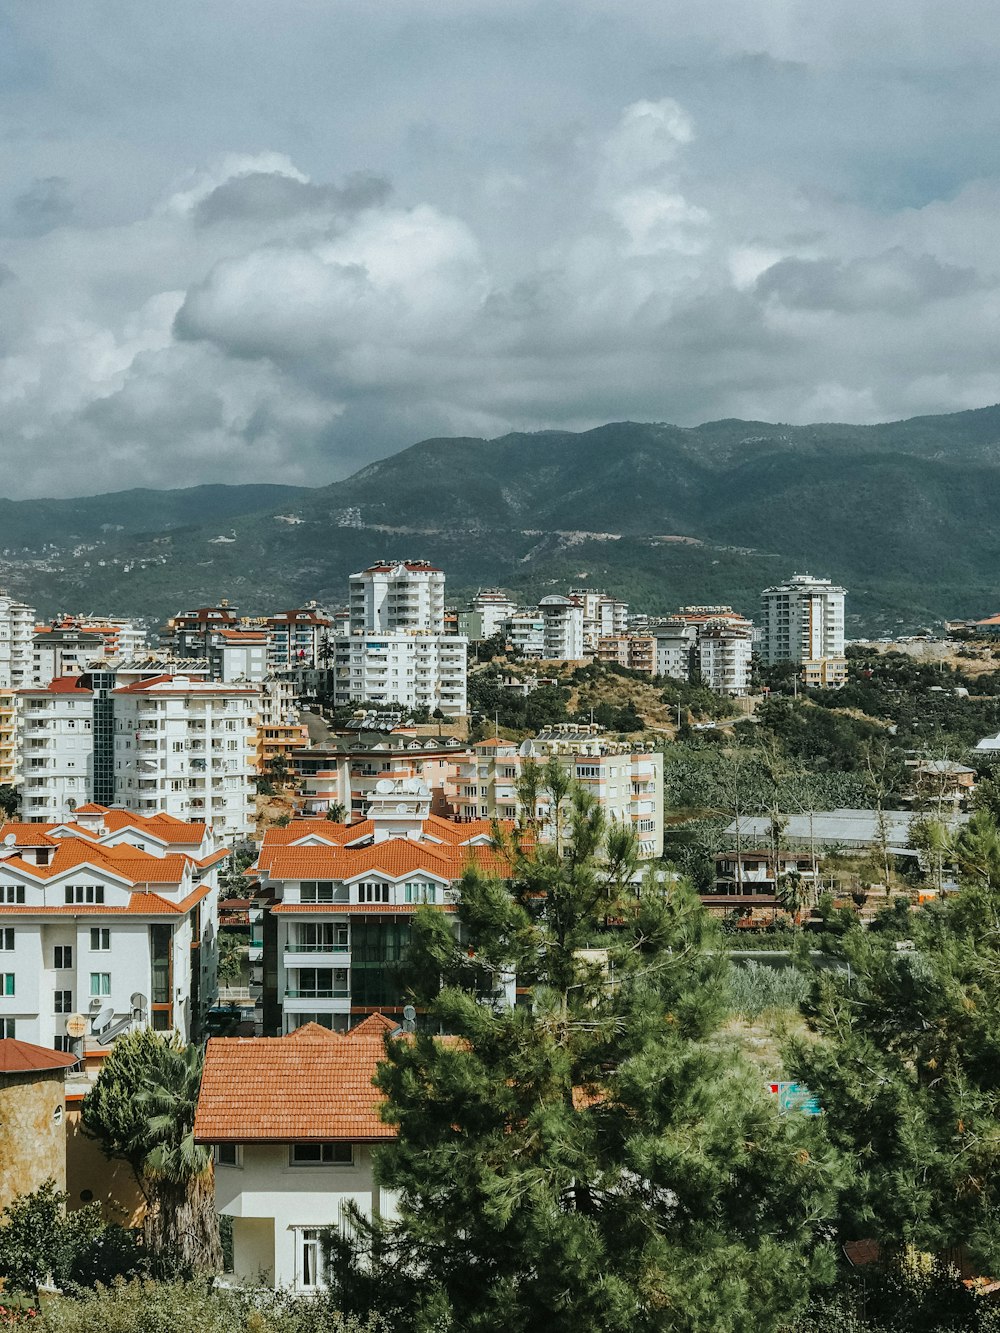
{"x":270,"y":240}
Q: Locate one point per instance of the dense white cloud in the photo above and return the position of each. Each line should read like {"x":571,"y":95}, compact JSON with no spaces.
{"x":240,"y":242}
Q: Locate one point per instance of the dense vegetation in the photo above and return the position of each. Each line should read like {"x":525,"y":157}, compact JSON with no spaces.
{"x":901,"y":513}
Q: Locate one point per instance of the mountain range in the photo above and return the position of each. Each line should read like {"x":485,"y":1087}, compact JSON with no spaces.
{"x":904,"y":514}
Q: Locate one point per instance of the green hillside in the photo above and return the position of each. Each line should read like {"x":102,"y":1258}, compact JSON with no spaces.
{"x":902,"y":513}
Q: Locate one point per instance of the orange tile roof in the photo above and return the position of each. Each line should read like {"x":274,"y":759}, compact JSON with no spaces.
{"x":375,"y":1025}
{"x":295,"y":1089}
{"x":61,"y":685}
{"x":21,"y":1057}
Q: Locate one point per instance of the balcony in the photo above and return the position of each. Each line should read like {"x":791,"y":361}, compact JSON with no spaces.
{"x":316,"y":955}
{"x":334,"y":993}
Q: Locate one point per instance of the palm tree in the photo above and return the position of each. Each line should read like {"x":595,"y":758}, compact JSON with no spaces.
{"x":791,"y":893}
{"x":182,"y":1221}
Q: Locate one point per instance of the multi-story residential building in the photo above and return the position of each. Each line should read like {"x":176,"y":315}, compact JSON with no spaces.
{"x":188,"y":633}
{"x":803,"y":622}
{"x":63,"y":651}
{"x":562,"y":621}
{"x":285,"y":1188}
{"x":112,"y":918}
{"x":10,"y":744}
{"x":300,"y":637}
{"x":724,"y":657}
{"x":279,"y":731}
{"x":488,"y":612}
{"x":17,"y":629}
{"x":416,"y":669}
{"x":397,"y":595}
{"x":345,"y":770}
{"x":675,"y":644}
{"x":335,"y":902}
{"x":635,"y":651}
{"x":57,"y":748}
{"x":187,"y":747}
{"x":123,"y":638}
{"x":603,"y":616}
{"x":626,"y":779}
{"x":526,"y":633}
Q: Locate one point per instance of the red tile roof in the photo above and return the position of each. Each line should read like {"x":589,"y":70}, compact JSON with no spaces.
{"x":61,"y":685}
{"x":305,"y":1087}
{"x":21,"y":1057}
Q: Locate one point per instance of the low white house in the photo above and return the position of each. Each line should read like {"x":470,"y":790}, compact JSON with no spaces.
{"x":292,"y":1122}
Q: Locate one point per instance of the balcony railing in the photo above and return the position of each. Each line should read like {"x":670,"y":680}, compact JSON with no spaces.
{"x":336,"y":993}
{"x":317,"y":948}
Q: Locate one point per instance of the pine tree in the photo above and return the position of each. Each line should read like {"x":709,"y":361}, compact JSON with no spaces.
{"x":593,"y":1158}
{"x":907,"y":1067}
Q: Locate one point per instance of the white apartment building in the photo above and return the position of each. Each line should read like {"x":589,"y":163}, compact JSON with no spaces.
{"x":17,"y":629}
{"x":299,"y":637}
{"x":803,"y":621}
{"x":724,"y":658}
{"x":603,"y":616}
{"x":111,"y":918}
{"x":526,"y":632}
{"x":56,"y":747}
{"x":675,"y":642}
{"x":397,"y":595}
{"x":61,"y":651}
{"x":10,"y":739}
{"x":122,"y":638}
{"x":187,"y":747}
{"x":417,"y":669}
{"x":625,"y":778}
{"x":562,"y":620}
{"x":488,"y":614}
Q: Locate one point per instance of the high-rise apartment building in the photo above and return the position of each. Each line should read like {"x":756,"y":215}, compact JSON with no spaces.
{"x":17,"y":629}
{"x":397,"y":595}
{"x":803,"y":622}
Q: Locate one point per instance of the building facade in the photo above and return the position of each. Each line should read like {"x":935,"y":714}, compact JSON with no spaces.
{"x":802,"y":621}
{"x":293,"y":1149}
{"x":399,"y":595}
{"x":416,"y":669}
{"x":109,"y":917}
{"x":626,"y":780}
{"x":188,"y":748}
{"x":17,"y":629}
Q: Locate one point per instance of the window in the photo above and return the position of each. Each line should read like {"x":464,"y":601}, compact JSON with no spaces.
{"x":100,"y":983}
{"x":228,"y":1154}
{"x":322,"y":891}
{"x":85,"y":893}
{"x":319,"y":937}
{"x":311,"y":1258}
{"x":63,"y":1002}
{"x":6,"y":983}
{"x":7,"y":1027}
{"x":373,"y":891}
{"x":63,"y":1043}
{"x":420,"y":893}
{"x":7,"y":939}
{"x":100,"y":939}
{"x":62,"y":956}
{"x":322,"y":1154}
{"x":11,"y":893}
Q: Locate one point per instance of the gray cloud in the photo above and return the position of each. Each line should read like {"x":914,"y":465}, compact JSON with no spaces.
{"x":45,"y":204}
{"x":265,"y":196}
{"x":599,"y":209}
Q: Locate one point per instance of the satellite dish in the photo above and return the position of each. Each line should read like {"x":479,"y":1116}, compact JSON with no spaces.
{"x":76,"y":1026}
{"x":409,"y":1013}
{"x":10,"y":840}
{"x":402,"y":808}
{"x":138,"y":1003}
{"x":103,"y":1018}
{"x":383,"y":786}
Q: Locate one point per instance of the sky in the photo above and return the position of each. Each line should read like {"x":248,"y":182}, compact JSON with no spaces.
{"x":250,"y":241}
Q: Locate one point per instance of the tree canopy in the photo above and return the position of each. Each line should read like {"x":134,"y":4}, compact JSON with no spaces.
{"x":591,"y":1157}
